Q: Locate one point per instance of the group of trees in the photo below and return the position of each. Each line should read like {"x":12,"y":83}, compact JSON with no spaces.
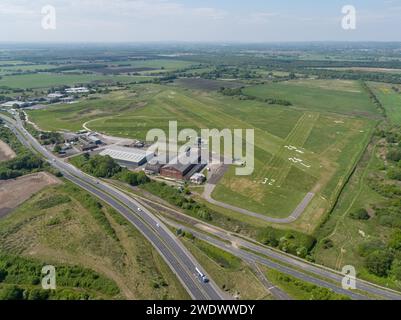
{"x":237,"y":92}
{"x":25,"y":162}
{"x":288,"y":241}
{"x":106,"y":167}
{"x":383,"y":259}
{"x":21,"y":165}
{"x":179,"y":198}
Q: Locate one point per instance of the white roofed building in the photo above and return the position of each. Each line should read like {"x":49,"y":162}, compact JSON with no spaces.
{"x":127,"y":156}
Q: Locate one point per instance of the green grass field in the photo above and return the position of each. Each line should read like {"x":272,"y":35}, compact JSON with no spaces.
{"x":390,"y":99}
{"x":45,"y":80}
{"x":328,"y":143}
{"x":336,"y":96}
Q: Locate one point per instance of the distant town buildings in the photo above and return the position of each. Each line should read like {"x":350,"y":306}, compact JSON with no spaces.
{"x":11,"y":104}
{"x":77,"y":90}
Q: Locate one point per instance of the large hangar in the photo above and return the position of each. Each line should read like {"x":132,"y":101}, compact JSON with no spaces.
{"x":127,"y":156}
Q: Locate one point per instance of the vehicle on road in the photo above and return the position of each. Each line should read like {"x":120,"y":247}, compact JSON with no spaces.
{"x":201,"y":276}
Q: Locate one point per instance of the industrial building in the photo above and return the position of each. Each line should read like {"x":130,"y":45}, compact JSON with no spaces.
{"x":11,"y":104}
{"x":153,"y":168}
{"x":180,"y":168}
{"x":127,"y":157}
{"x":94,"y":139}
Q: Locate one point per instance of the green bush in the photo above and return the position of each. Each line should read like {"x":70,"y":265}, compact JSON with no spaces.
{"x":288,"y":241}
{"x":360,"y":214}
{"x":394,"y":155}
{"x":394,"y":174}
{"x":379,"y":262}
{"x":368,"y":247}
{"x":328,"y":244}
{"x":11,"y":293}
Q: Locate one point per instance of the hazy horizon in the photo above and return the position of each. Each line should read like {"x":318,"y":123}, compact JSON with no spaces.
{"x":199,"y":21}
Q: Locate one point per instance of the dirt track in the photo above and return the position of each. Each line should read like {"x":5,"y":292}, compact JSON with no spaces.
{"x":15,"y":192}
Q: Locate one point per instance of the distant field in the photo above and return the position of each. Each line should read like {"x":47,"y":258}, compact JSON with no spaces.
{"x":207,"y":85}
{"x":23,"y":68}
{"x":159,"y":64}
{"x":366,"y":69}
{"x":337,"y":96}
{"x":390,"y":99}
{"x":45,"y":80}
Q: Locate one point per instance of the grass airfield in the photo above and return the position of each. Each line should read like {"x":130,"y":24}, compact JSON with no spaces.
{"x":311,"y":146}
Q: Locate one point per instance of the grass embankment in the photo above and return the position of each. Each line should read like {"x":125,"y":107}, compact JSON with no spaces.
{"x":300,"y":290}
{"x":66,"y":227}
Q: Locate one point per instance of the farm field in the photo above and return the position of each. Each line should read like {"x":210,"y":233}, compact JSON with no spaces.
{"x":297,"y":149}
{"x":45,"y":80}
{"x":16,"y":191}
{"x":160,"y":64}
{"x":63,"y":225}
{"x":333,"y":96}
{"x":390,"y":99}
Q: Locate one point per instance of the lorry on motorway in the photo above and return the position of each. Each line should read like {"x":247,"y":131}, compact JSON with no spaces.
{"x":201,"y":276}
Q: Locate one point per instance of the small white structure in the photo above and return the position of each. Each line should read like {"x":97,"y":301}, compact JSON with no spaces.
{"x":198,"y":178}
{"x":77,"y":90}
{"x":10,"y":104}
{"x":126,"y":156}
{"x":55,"y":95}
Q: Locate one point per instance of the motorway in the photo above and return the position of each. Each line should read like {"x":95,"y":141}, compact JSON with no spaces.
{"x":257,"y":253}
{"x":179,"y":259}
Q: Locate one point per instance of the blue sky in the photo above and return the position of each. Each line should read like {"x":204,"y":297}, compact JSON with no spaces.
{"x":200,"y":20}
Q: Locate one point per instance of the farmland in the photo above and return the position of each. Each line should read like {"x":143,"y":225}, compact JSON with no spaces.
{"x":45,"y":80}
{"x":334,"y":96}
